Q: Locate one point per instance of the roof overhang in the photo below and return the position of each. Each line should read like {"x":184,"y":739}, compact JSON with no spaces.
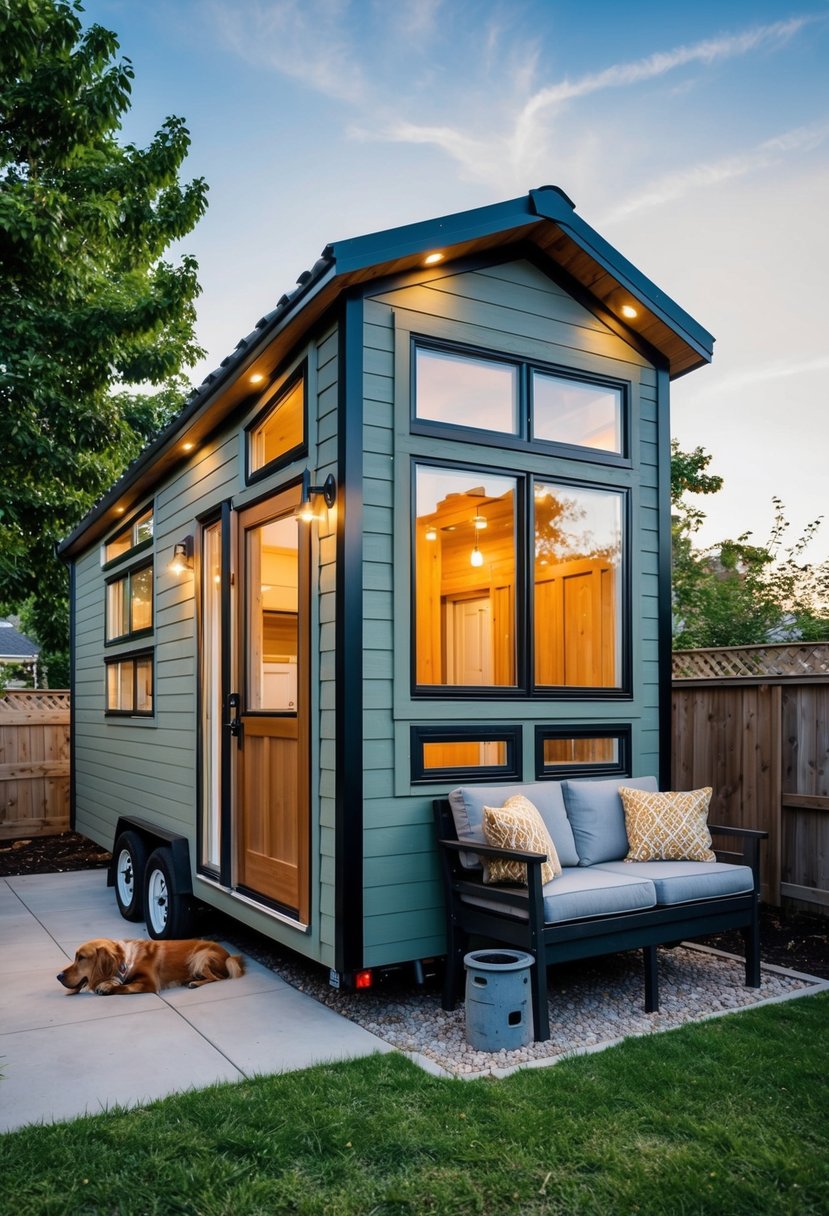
{"x":545,"y":219}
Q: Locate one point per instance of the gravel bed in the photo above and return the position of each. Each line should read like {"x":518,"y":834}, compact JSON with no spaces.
{"x":593,"y":1004}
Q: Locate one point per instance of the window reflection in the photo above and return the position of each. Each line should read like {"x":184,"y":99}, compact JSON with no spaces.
{"x":577,"y":412}
{"x":465,"y":391}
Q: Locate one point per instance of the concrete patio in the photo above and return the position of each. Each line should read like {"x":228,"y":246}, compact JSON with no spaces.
{"x":64,"y":1055}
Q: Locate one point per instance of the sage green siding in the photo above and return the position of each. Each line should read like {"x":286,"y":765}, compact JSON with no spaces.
{"x":148,"y":767}
{"x":515,"y":309}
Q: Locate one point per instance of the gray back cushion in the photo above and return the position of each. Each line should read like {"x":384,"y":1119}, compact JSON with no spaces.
{"x":597,"y":816}
{"x":468,"y":802}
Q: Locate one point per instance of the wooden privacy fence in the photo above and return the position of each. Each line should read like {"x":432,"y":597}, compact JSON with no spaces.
{"x":753,"y":723}
{"x":34,"y":763}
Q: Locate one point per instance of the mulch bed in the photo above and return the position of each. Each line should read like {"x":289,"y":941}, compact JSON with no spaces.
{"x":798,"y":940}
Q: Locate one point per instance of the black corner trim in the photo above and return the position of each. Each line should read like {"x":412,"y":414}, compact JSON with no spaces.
{"x":348,"y":865}
{"x":665,"y":621}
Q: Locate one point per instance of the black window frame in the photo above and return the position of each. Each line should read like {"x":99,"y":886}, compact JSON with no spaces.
{"x":131,"y":656}
{"x":620,"y":731}
{"x":523,"y":439}
{"x":525,"y":687}
{"x":141,"y":547}
{"x":298,"y":375}
{"x":126,"y":576}
{"x":421,"y":733}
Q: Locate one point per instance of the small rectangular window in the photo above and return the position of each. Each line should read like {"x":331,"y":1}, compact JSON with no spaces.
{"x":580,"y":751}
{"x":129,"y":685}
{"x":129,"y":604}
{"x":462,"y":390}
{"x":441,"y":753}
{"x":137,"y":533}
{"x":578,"y":413}
{"x":277,"y":435}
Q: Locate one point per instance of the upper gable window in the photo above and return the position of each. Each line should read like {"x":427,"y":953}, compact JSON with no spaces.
{"x":580,"y":413}
{"x":277,"y":435}
{"x":466,"y":391}
{"x":137,"y":534}
{"x":519,"y":403}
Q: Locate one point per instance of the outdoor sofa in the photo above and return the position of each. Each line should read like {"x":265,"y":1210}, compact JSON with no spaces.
{"x":599,"y":903}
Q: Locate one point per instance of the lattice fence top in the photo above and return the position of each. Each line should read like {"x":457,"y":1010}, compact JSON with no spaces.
{"x":41,"y":700}
{"x":788,"y":660}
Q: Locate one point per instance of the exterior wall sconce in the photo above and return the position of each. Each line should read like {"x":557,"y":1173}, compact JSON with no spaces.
{"x":182,"y":556}
{"x":306,"y":510}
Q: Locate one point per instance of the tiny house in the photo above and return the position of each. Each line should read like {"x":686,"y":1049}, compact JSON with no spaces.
{"x":413,"y":533}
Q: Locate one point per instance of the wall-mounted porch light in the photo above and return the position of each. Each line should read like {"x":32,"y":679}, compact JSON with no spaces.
{"x":306,"y":510}
{"x":182,"y":556}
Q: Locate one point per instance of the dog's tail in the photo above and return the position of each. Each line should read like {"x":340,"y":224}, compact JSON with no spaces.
{"x":235,"y":966}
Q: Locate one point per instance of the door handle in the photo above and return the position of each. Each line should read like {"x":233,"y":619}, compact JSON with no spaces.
{"x":234,"y":723}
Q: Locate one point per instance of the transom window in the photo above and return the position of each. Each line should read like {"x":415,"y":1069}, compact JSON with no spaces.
{"x":134,"y":535}
{"x":574,"y":751}
{"x":457,"y":752}
{"x":475,"y":534}
{"x":528,"y":403}
{"x":277,"y":435}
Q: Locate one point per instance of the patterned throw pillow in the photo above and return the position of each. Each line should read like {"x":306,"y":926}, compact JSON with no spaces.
{"x":518,"y":825}
{"x":667,"y":827}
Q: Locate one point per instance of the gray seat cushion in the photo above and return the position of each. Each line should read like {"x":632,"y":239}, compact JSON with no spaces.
{"x":468,"y":802}
{"x":680,"y":882}
{"x":597,"y":816}
{"x":578,"y":893}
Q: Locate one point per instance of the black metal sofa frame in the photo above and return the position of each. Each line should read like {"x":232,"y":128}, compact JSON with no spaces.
{"x":515,"y":917}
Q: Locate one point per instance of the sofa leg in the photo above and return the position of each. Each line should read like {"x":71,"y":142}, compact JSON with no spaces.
{"x":540,"y":1006}
{"x":651,"y":979}
{"x":453,"y":974}
{"x":751,"y":937}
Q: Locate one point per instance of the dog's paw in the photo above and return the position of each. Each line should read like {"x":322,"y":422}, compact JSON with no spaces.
{"x":106,"y":987}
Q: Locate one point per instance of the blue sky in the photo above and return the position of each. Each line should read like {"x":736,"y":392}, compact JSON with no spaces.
{"x":694,"y":137}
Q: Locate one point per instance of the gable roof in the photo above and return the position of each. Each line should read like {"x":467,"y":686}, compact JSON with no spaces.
{"x":543,"y":222}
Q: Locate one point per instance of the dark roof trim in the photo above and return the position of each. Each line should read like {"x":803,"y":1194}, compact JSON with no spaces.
{"x":549,"y":203}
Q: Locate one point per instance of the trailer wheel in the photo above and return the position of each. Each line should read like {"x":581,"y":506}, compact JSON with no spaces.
{"x":130,"y":858}
{"x":168,"y":912}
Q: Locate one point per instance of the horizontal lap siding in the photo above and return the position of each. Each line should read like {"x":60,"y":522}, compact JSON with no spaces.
{"x":514,"y":309}
{"x":147,"y":766}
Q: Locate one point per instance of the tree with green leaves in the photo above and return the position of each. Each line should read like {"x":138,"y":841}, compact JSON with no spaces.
{"x":95,"y":326}
{"x":737,"y":593}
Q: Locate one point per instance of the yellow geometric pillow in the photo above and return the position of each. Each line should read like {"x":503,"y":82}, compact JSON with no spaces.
{"x":667,"y":827}
{"x":518,"y":825}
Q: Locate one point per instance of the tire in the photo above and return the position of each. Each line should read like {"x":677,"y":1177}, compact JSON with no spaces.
{"x":167,"y":912}
{"x":130,"y":860}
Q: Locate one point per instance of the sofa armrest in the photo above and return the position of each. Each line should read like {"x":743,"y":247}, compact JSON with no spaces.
{"x":751,"y":838}
{"x":492,"y":850}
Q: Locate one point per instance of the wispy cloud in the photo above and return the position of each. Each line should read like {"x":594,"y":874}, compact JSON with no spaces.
{"x":712,"y":173}
{"x":780,"y":369}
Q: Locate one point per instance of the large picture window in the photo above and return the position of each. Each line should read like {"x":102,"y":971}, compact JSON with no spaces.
{"x":577,"y":586}
{"x":465,"y":578}
{"x":475,"y":534}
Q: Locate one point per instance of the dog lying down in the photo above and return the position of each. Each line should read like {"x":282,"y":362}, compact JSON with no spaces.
{"x":109,"y":967}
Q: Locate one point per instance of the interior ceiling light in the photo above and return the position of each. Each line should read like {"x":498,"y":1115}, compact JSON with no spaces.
{"x":629,"y":311}
{"x":432,"y":259}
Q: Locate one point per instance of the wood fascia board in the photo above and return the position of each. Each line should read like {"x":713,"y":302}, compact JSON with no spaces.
{"x":550,"y":205}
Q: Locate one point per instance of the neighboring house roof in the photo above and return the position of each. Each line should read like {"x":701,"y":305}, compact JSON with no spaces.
{"x":15,"y":646}
{"x":542,"y":224}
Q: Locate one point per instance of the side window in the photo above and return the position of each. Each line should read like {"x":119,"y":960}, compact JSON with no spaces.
{"x":582,"y":751}
{"x":129,"y":615}
{"x":129,"y":604}
{"x":278,"y":433}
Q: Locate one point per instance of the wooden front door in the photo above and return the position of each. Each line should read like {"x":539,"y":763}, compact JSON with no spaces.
{"x":271,"y":798}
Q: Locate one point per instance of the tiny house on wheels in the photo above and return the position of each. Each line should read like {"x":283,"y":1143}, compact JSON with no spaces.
{"x":413,"y":533}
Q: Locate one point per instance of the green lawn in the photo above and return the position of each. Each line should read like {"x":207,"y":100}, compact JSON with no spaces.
{"x":729,"y":1116}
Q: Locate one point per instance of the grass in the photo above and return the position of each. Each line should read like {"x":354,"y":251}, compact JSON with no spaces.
{"x":726,"y":1117}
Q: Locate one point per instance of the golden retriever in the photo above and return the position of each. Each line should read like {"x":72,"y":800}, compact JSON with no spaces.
{"x":109,"y":967}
